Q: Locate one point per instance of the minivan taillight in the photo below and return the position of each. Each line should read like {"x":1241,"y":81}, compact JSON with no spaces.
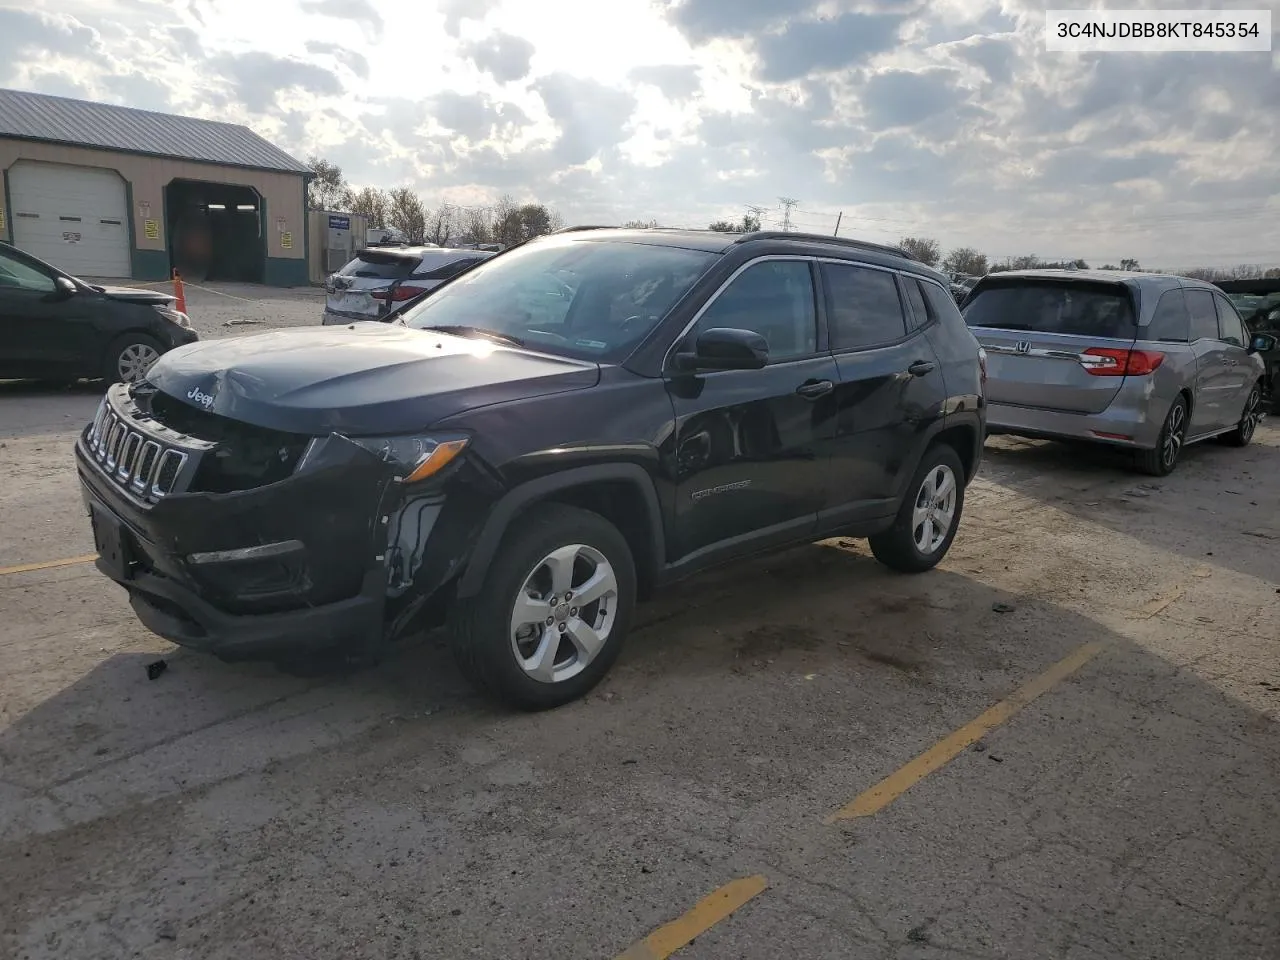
{"x":398,"y":294}
{"x":1120,"y":362}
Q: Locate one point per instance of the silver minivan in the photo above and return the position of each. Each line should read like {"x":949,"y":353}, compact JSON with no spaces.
{"x":1149,"y":362}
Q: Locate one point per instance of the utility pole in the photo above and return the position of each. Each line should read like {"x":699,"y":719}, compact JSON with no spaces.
{"x":839,"y":217}
{"x":787,"y":204}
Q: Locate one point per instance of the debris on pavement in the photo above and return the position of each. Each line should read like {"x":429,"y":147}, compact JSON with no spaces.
{"x":155,"y":669}
{"x":1003,"y":607}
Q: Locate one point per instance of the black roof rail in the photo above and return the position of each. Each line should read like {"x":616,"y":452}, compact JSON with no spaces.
{"x":825,"y":238}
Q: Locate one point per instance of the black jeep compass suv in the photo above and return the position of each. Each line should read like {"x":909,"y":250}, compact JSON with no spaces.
{"x":536,"y":445}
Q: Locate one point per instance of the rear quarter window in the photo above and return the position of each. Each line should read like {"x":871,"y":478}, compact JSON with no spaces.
{"x":1047,"y":306}
{"x":1170,"y":323}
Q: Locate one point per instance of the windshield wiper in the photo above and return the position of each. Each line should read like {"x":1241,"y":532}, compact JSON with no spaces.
{"x":465,"y":331}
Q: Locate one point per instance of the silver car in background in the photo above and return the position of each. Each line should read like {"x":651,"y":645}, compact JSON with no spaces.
{"x":379,"y":279}
{"x":1145,"y":361}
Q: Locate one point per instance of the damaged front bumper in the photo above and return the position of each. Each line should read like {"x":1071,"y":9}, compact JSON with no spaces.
{"x":295,"y":565}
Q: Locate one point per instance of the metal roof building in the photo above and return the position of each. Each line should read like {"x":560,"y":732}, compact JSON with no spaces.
{"x":106,"y":191}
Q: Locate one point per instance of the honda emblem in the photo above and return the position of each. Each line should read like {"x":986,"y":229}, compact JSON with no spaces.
{"x":1022,"y":346}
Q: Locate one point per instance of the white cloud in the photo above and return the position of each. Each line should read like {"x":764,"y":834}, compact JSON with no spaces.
{"x":945,"y":118}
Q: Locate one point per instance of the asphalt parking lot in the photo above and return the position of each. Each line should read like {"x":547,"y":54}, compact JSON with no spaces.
{"x":1063,"y":743}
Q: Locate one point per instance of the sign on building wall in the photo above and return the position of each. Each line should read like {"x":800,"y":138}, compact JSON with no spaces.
{"x":339,"y":223}
{"x":151,"y":229}
{"x":286,"y":240}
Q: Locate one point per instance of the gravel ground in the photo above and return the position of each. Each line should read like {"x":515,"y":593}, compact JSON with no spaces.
{"x":235,"y":812}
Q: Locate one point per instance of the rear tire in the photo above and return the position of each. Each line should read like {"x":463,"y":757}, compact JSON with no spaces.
{"x":1242,"y":435}
{"x":130,"y":357}
{"x":513,"y":643}
{"x":918,"y":539}
{"x":1161,"y":461}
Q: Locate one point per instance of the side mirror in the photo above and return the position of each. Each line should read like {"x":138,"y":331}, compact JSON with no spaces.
{"x":1262,"y":343}
{"x":64,"y":288}
{"x":724,"y":348}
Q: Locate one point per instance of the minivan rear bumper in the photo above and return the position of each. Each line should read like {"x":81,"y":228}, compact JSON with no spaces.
{"x":1124,"y":423}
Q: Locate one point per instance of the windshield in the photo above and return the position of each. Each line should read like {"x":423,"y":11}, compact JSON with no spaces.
{"x":1046,"y":306}
{"x":589,"y":299}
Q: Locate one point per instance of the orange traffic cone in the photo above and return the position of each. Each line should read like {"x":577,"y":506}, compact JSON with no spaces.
{"x":177,"y":291}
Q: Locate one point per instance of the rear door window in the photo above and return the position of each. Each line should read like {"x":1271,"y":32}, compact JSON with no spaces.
{"x":1204,"y":317}
{"x":1230,"y":328}
{"x":436,"y":268}
{"x":1170,"y":323}
{"x":863,"y":307}
{"x":941,"y":303}
{"x":1073,"y":308}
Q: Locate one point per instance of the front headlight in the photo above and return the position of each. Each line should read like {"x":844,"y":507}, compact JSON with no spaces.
{"x":175,"y":316}
{"x":421,"y":457}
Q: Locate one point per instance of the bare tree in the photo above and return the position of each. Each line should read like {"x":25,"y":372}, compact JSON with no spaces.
{"x":514,"y":223}
{"x":925,"y":249}
{"x":1128,"y":264}
{"x":406,"y":214}
{"x":371,"y":203}
{"x":327,"y":189}
{"x":441,"y":224}
{"x":642,"y":225}
{"x":967,"y":261}
{"x":476,"y":225}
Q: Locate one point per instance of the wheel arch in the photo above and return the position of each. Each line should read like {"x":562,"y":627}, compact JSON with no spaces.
{"x":614,"y":490}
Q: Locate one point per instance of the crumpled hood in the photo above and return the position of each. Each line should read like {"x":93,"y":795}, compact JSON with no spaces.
{"x":363,"y":379}
{"x":135,"y":295}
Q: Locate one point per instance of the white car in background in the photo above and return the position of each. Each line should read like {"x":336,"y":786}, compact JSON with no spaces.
{"x":380,"y":279}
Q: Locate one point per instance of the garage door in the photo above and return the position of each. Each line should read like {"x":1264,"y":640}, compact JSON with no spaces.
{"x":73,"y":217}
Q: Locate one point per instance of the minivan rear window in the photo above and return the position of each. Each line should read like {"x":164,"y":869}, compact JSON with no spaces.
{"x":1048,"y":306}
{"x":379,"y":267}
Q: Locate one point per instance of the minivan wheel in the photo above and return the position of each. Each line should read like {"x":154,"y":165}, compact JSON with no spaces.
{"x":1160,"y":461}
{"x":929,"y":516}
{"x":1250,"y":416}
{"x":552,"y":614}
{"x":130,"y":357}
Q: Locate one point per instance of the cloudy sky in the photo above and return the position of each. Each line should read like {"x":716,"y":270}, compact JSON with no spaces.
{"x":942,"y":118}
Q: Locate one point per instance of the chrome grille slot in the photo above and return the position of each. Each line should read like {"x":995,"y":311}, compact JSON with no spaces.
{"x":138,"y":453}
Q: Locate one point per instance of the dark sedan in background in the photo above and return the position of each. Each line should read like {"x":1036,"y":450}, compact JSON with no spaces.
{"x":56,"y":327}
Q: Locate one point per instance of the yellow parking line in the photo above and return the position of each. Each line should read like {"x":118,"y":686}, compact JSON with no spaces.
{"x":704,"y":915}
{"x":47,"y":564}
{"x":893,"y":786}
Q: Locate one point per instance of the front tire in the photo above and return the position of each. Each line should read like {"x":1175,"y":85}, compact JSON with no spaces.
{"x":1161,"y":461}
{"x":130,"y":357}
{"x":929,"y":516}
{"x":553,"y":612}
{"x":1250,"y":416}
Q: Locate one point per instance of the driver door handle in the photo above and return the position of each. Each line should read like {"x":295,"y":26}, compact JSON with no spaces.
{"x":921,"y":367}
{"x":813,"y":389}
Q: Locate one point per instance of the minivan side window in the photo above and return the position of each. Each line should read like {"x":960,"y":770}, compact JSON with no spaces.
{"x":1204,"y":318}
{"x":1170,"y":323}
{"x":775,"y":299}
{"x":1230,"y":328}
{"x":863,"y":307}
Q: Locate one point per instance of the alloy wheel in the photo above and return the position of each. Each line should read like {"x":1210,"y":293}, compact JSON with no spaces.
{"x":1251,"y":416}
{"x":564,"y":613}
{"x":1175,"y":431}
{"x":134,"y":361}
{"x":935,"y":509}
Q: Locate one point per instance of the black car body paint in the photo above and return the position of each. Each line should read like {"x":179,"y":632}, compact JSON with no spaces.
{"x":693,"y":468}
